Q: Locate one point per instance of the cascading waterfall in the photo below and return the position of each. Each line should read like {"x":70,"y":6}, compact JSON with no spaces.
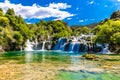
{"x":106,"y":49}
{"x":63,"y":47}
{"x":76,"y":47}
{"x":21,"y":48}
{"x":43,"y":46}
{"x":73,"y":44}
{"x":71,"y":47}
{"x":60,"y":43}
{"x":36,"y":44}
{"x":80,"y":44}
{"x":29,"y":46}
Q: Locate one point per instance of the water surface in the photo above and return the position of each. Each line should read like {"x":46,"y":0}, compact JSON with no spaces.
{"x":76,"y":69}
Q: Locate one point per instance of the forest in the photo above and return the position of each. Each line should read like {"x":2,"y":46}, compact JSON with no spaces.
{"x":14,"y":31}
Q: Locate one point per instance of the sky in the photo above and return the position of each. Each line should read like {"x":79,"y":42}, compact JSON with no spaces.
{"x":74,"y":12}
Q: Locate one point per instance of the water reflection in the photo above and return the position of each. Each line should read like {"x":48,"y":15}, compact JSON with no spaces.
{"x":28,"y":67}
{"x":28,"y":57}
{"x":43,"y":56}
{"x":35,"y":56}
{"x":75,"y":60}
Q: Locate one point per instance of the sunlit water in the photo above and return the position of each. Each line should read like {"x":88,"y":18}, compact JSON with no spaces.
{"x":77,"y":70}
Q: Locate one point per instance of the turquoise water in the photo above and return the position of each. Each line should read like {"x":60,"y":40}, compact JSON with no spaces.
{"x":73,"y":59}
{"x":82,"y":75}
{"x":36,"y":56}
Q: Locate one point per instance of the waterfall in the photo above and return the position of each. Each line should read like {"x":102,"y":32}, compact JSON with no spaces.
{"x":81,"y":43}
{"x":29,"y":46}
{"x":63,"y":47}
{"x":71,"y":47}
{"x":60,"y":43}
{"x":43,"y":46}
{"x":36,"y":44}
{"x":21,"y":49}
{"x":76,"y":47}
{"x":106,"y":49}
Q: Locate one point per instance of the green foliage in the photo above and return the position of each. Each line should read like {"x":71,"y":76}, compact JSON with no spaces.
{"x":25,"y":31}
{"x":1,"y":12}
{"x":4,"y":21}
{"x":108,"y":32}
{"x":115,"y":38}
{"x":105,"y":31}
{"x":85,"y":30}
{"x":18,"y":37}
{"x":61,"y":34}
{"x":54,"y":29}
{"x":14,"y":20}
{"x":96,"y":29}
{"x":81,"y":30}
{"x":10,"y":12}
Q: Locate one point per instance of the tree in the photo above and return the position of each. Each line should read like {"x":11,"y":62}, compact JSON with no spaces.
{"x":18,"y":38}
{"x":61,"y":34}
{"x":10,"y":12}
{"x":81,"y":30}
{"x":4,"y":21}
{"x":1,"y":13}
{"x":13,"y":21}
{"x":115,"y":38}
{"x":108,"y":32}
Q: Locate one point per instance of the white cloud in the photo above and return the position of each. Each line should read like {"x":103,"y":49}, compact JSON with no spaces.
{"x":59,"y":5}
{"x":69,"y":18}
{"x":37,"y":11}
{"x":92,"y":2}
{"x":84,"y":20}
{"x":29,"y":23}
{"x":118,"y":0}
{"x":81,"y":20}
{"x":106,"y":5}
{"x":77,"y":8}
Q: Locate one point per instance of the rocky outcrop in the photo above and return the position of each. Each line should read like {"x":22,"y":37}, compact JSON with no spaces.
{"x":115,"y":15}
{"x":1,"y":49}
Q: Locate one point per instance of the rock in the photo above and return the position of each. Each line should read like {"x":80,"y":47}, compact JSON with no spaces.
{"x":115,"y":15}
{"x":1,"y":49}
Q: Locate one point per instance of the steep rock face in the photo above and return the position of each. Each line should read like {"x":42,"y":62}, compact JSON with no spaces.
{"x":115,"y":15}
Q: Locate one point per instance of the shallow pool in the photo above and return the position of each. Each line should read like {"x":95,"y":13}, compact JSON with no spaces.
{"x":75,"y":67}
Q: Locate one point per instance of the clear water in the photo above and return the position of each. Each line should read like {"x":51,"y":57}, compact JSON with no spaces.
{"x":73,"y":59}
{"x":82,"y":75}
{"x":36,"y":56}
